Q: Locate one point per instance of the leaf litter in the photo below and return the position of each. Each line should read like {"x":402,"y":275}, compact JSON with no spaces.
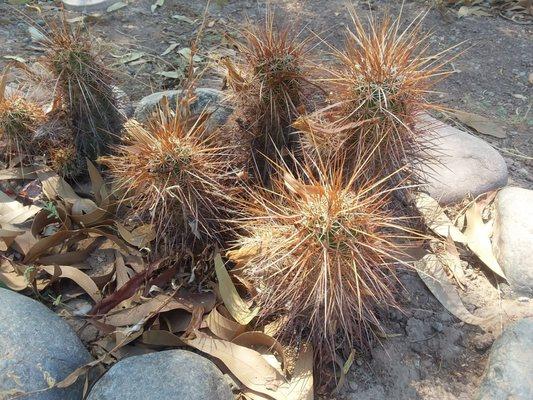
{"x":220,"y":328}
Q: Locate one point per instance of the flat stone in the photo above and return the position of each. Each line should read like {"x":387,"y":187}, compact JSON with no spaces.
{"x":169,"y":375}
{"x":459,"y":163}
{"x":510,"y":367}
{"x":88,"y":5}
{"x":37,"y":350}
{"x":207,"y":99}
{"x":513,"y":238}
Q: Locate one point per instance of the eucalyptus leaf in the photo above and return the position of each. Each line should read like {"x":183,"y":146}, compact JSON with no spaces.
{"x":116,"y":6}
{"x":183,"y":18}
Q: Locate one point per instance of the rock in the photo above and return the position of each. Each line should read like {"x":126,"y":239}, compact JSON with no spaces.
{"x":459,"y":163}
{"x":513,"y":238}
{"x":171,"y":374}
{"x":88,"y":5}
{"x":37,"y":350}
{"x":510,"y":367}
{"x":206,"y":99}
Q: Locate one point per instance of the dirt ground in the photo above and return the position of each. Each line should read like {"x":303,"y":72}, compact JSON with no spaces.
{"x":431,"y":355}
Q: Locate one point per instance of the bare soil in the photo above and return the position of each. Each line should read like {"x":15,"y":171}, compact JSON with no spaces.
{"x":430,"y":354}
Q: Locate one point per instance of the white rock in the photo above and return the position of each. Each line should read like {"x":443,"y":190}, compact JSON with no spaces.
{"x":88,"y":5}
{"x":459,"y":163}
{"x":513,"y":238}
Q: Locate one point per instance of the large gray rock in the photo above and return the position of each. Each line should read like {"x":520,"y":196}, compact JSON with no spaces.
{"x":207,"y":99}
{"x":510,"y":371}
{"x":459,"y":163}
{"x":513,"y":238}
{"x":169,"y":375}
{"x":37,"y":350}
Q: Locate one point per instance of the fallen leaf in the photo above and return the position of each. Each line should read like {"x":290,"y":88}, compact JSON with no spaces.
{"x":161,"y":338}
{"x":344,"y":371}
{"x":170,"y":48}
{"x":56,"y":187}
{"x":465,"y":11}
{"x":127,"y":58}
{"x":301,"y":385}
{"x":74,"y":274}
{"x":158,"y":3}
{"x":13,"y":212}
{"x":478,"y":239}
{"x":450,"y":258}
{"x":116,"y":6}
{"x":436,"y":219}
{"x":18,"y":173}
{"x":223,"y":327}
{"x":139,"y":237}
{"x":257,"y":339}
{"x":36,"y":35}
{"x":186,"y":53}
{"x":183,"y":18}
{"x":248,"y":366}
{"x":171,"y":74}
{"x":431,"y":271}
{"x":481,"y":124}
{"x":15,"y":58}
{"x":162,"y":303}
{"x":233,"y":302}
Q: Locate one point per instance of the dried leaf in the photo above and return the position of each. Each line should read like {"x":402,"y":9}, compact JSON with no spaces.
{"x":248,"y":366}
{"x":223,"y":327}
{"x":233,"y":302}
{"x":344,"y":371}
{"x":162,"y":303}
{"x":255,"y":339}
{"x":450,"y":258}
{"x":301,"y":385}
{"x":11,"y":277}
{"x":465,"y":11}
{"x":171,"y":74}
{"x":436,"y":219}
{"x":116,"y":6}
{"x":81,"y":279}
{"x":36,"y":35}
{"x":161,"y":338}
{"x":18,"y":173}
{"x":73,"y":376}
{"x":15,"y":58}
{"x":481,"y":124}
{"x":186,"y":53}
{"x":13,"y":212}
{"x":170,"y":48}
{"x":127,"y":58}
{"x":56,"y":187}
{"x":478,"y":239}
{"x":139,"y":237}
{"x":158,"y":3}
{"x":430,"y":269}
{"x":183,"y":18}
{"x":121,"y":270}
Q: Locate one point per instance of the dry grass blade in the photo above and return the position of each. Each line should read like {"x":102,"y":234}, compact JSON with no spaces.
{"x":172,"y":176}
{"x":323,"y":256}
